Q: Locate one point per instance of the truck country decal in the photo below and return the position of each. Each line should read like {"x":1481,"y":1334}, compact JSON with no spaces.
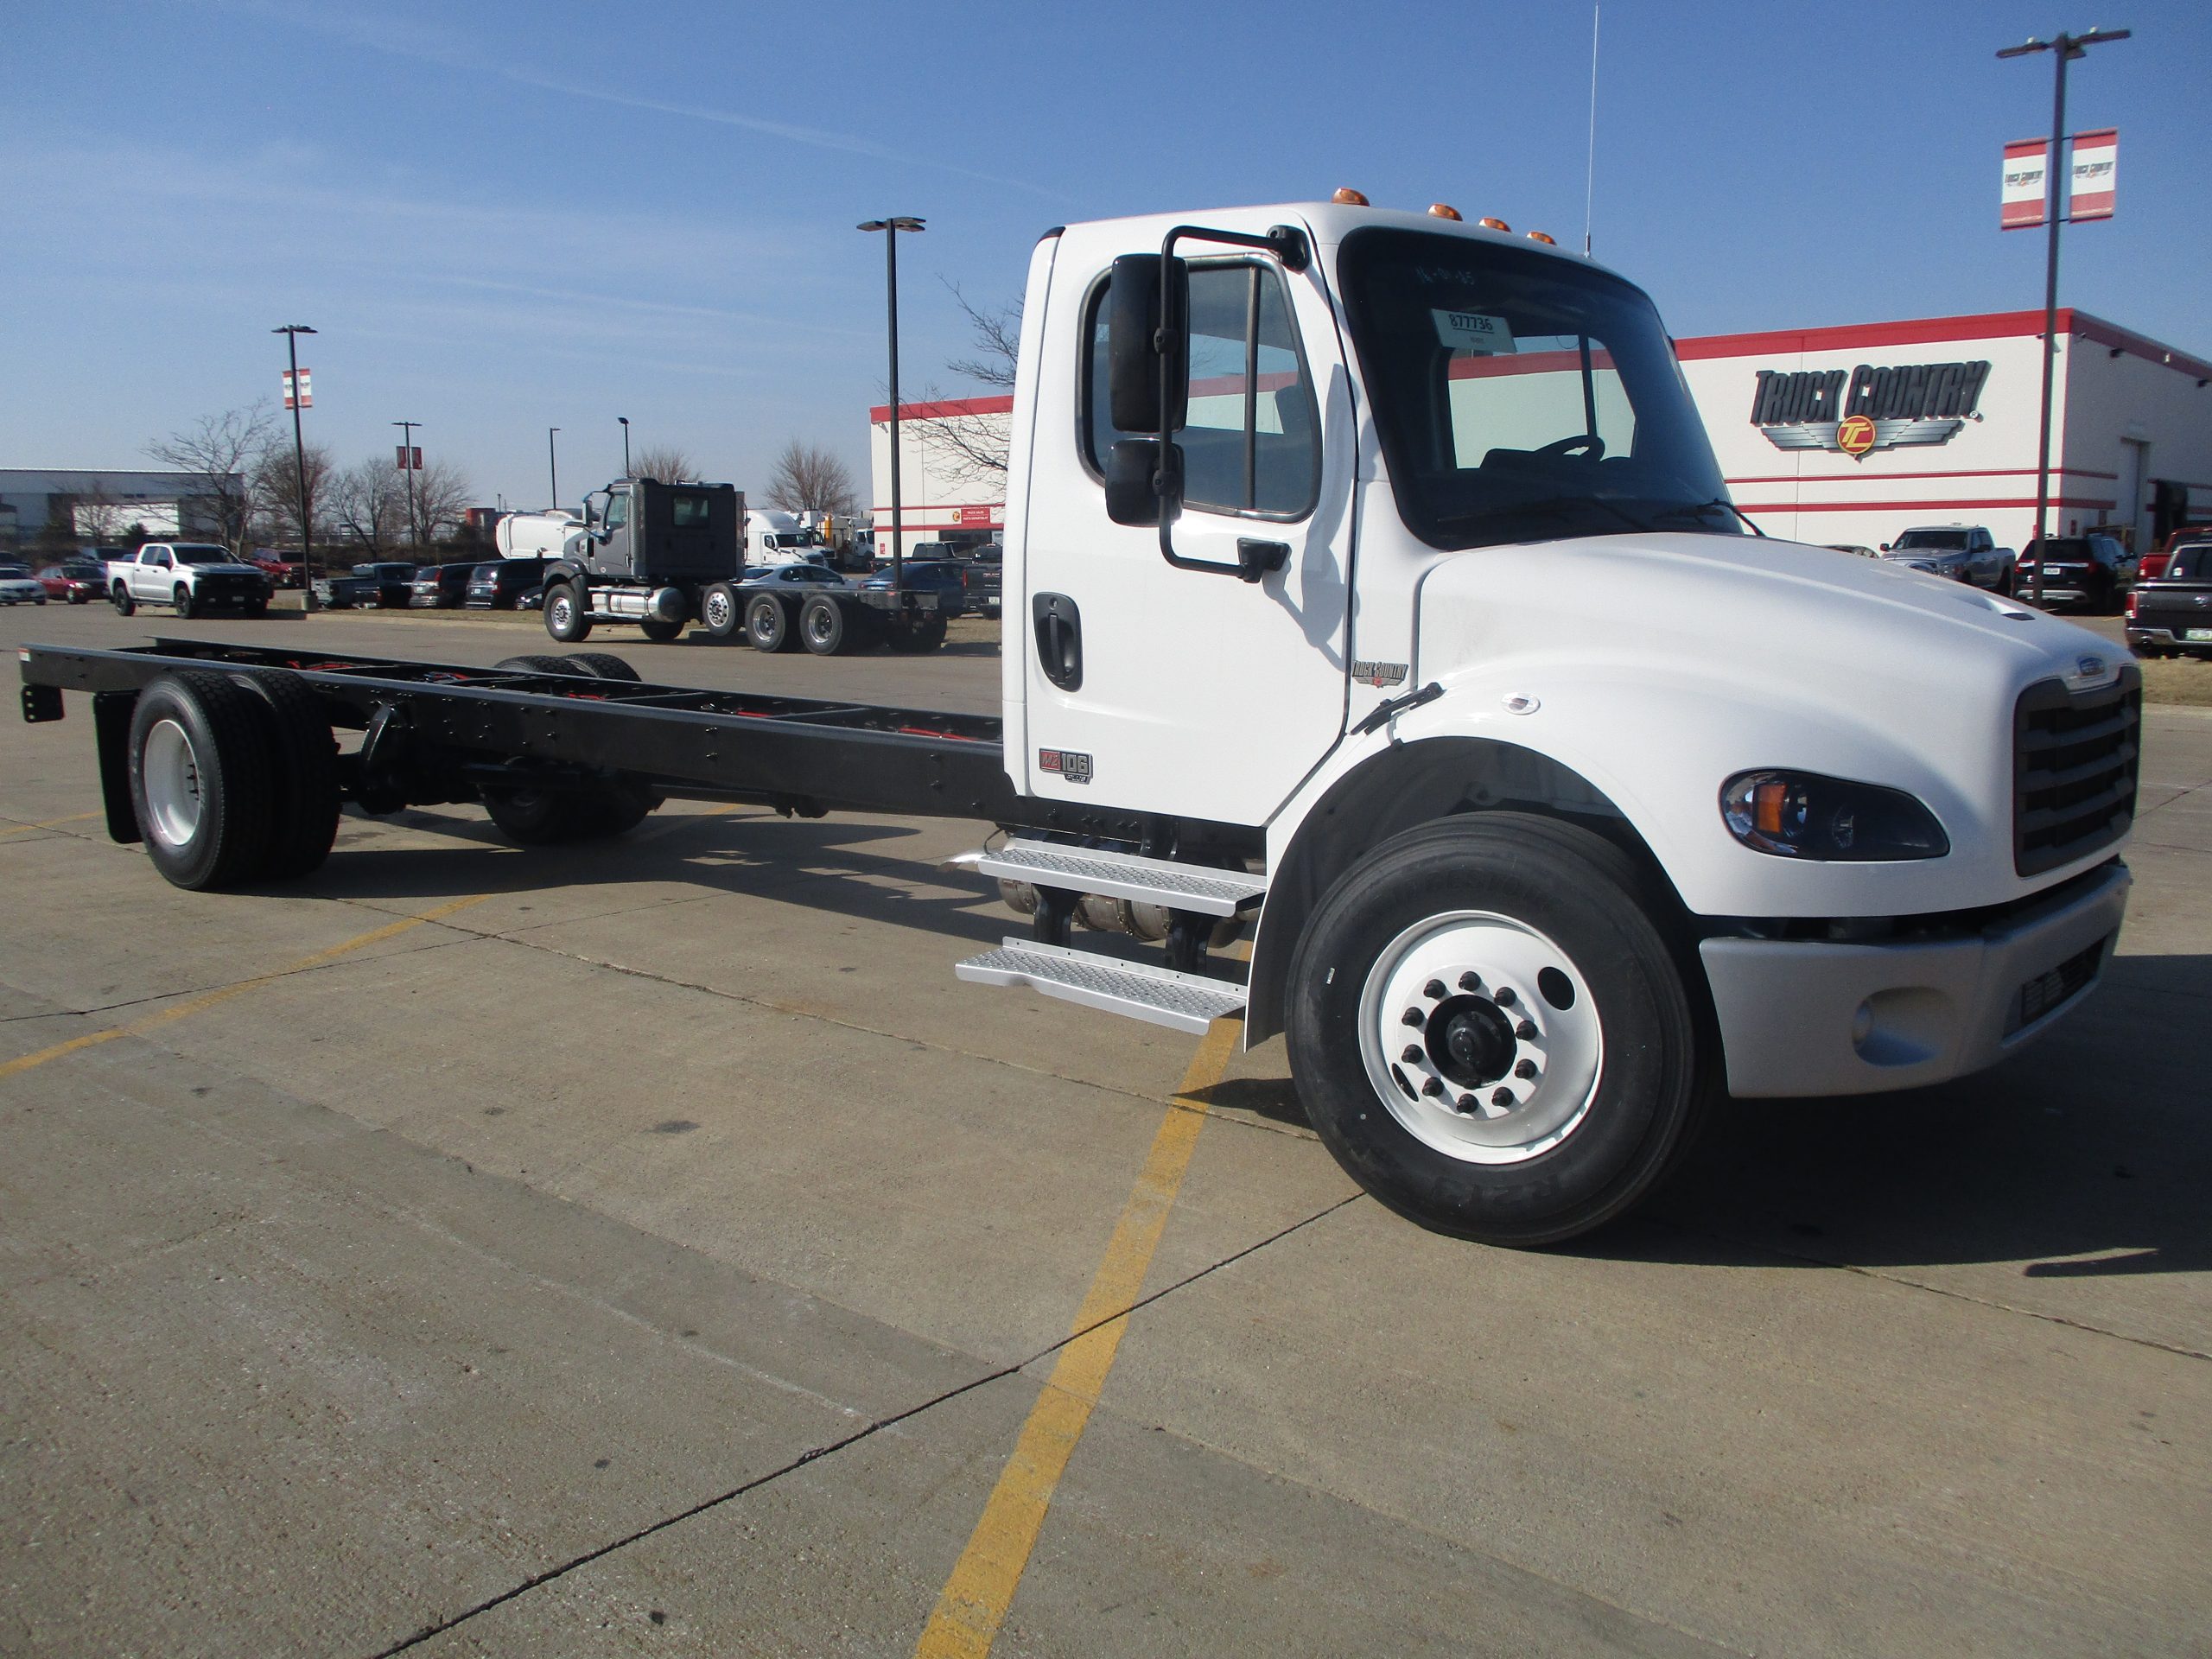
{"x":1378,"y":675}
{"x":1074,"y":768}
{"x":1877,"y":408}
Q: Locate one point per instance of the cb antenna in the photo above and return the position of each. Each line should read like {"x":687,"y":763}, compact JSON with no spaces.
{"x":1590,"y":173}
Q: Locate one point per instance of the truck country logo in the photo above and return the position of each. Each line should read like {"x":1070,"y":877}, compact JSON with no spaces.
{"x":1868,"y":409}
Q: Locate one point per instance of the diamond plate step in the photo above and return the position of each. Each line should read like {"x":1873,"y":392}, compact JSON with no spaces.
{"x":1161,"y":996}
{"x":1120,"y":875}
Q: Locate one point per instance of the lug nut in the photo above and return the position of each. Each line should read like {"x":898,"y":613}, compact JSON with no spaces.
{"x":1469,"y":1104}
{"x":1501,"y":1097}
{"x":1502,"y":996}
{"x":1412,"y":1054}
{"x":1471,"y":982}
{"x":1433,"y":990}
{"x":1432,"y":1086}
{"x":1412,"y":1016}
{"x":1525,"y":1070}
{"x":1525,"y":1030}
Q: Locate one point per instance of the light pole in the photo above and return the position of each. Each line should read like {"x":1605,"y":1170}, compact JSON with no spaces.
{"x":625,"y":419}
{"x":891,"y":227}
{"x":292,"y":331}
{"x":2063,"y":48}
{"x":553,"y":467}
{"x":407,"y":465}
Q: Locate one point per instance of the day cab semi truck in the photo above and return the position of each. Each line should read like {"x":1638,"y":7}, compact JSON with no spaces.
{"x":1371,"y":584}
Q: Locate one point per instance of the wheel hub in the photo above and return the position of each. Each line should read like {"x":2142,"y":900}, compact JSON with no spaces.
{"x":170,"y":772}
{"x":1481,"y":1037}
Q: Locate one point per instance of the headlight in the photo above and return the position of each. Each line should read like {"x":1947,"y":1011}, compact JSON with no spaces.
{"x":1803,"y":815}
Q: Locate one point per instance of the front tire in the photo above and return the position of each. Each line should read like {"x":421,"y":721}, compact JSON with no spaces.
{"x":183,"y":599}
{"x":720,"y":611}
{"x":566,"y":619}
{"x":1552,"y":1075}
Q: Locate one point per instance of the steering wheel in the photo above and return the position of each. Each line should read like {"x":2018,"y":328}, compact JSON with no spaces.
{"x":1581,"y":440}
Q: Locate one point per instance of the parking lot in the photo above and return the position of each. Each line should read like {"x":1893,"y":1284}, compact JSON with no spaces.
{"x":652,"y":1246}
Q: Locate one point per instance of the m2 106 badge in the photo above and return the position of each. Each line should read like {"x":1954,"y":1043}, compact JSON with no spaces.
{"x":1067,"y":763}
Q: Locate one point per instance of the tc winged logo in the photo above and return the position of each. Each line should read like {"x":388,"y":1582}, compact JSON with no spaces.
{"x":1857,"y":435}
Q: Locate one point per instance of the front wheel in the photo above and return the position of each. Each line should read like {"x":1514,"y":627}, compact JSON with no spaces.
{"x":1489,"y":1030}
{"x":183,"y":599}
{"x":720,"y":611}
{"x":119,"y":596}
{"x":566,"y":619}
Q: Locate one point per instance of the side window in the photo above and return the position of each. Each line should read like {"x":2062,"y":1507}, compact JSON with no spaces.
{"x":617,"y":510}
{"x":1251,"y":437}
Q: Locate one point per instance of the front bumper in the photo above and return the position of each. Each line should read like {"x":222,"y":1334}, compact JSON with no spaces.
{"x":1812,"y":1017}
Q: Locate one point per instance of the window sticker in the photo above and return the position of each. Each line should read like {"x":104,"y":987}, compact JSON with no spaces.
{"x":1471,"y":331}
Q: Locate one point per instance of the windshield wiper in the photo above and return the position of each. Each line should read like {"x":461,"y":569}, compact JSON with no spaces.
{"x":1708,"y":506}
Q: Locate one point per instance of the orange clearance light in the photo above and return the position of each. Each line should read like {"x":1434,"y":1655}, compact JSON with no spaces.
{"x":1538,"y":236}
{"x":1438,"y":210}
{"x":1494,"y":224}
{"x":1348,"y":197}
{"x":1766,"y":808}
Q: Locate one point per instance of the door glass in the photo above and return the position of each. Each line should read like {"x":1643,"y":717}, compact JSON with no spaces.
{"x":1250,"y":434}
{"x":618,"y":510}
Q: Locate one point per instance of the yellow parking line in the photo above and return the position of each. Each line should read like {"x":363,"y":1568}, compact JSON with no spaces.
{"x":177,"y":1011}
{"x":974,"y":1599}
{"x":51,"y":824}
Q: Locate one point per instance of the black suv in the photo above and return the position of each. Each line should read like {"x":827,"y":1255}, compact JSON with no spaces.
{"x":501,"y":584}
{"x":439,"y":586}
{"x":2088,"y":572}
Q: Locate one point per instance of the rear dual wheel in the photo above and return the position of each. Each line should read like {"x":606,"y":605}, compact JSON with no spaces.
{"x":1491,"y":1033}
{"x":821,"y":626}
{"x":767,"y":624}
{"x":544,"y":816}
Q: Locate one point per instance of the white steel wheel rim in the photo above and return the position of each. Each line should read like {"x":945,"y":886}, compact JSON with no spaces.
{"x":1512,"y":1054}
{"x":717,"y":611}
{"x":564,"y":611}
{"x":171,"y":774}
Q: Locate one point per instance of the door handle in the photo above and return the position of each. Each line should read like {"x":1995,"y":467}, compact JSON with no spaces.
{"x":1059,"y":625}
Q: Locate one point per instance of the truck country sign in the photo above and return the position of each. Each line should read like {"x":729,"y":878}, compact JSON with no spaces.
{"x":1868,"y":409}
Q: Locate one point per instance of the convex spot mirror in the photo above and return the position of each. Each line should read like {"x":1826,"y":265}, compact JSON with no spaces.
{"x":1139,"y":488}
{"x":1140,"y":341}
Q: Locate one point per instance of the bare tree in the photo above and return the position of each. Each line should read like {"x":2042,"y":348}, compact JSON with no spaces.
{"x":663,"y":463}
{"x":98,"y":516}
{"x":972,"y":448}
{"x":807,"y":477}
{"x":275,"y":489}
{"x":442,"y":494}
{"x":223,"y":455}
{"x":366,"y":505}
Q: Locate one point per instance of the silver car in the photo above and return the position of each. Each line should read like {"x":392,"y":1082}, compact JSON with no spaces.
{"x":19,"y":587}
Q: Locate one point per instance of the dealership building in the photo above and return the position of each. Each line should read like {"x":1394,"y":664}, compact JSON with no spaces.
{"x":1845,"y":435}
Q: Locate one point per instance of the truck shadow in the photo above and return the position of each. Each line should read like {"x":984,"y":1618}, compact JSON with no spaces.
{"x":2088,"y":1155}
{"x":845,"y":867}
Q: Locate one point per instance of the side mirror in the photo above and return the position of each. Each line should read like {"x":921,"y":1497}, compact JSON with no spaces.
{"x":1885,"y":547}
{"x":1135,"y":333}
{"x":1140,"y":486}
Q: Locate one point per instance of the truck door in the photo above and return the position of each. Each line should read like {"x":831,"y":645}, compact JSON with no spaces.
{"x":1177,"y":690}
{"x":611,"y":550}
{"x":150,"y":578}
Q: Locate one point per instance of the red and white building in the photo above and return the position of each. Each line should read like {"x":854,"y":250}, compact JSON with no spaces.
{"x":1845,"y":435}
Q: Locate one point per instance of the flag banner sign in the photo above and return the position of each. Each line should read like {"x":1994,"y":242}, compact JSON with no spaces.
{"x":306,"y":392}
{"x":409,"y":459}
{"x":2094,"y":177}
{"x":2027,"y":166}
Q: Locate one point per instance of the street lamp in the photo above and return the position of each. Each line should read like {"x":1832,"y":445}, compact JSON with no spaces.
{"x":407,"y":465}
{"x":891,"y":227}
{"x":2063,"y":48}
{"x":553,"y":467}
{"x":625,"y":419}
{"x":292,"y":331}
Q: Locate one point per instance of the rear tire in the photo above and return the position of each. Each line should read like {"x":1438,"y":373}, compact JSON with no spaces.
{"x":767,"y":625}
{"x":542,"y":664}
{"x":600,"y":664}
{"x":1518,"y":1120}
{"x":720,"y":611}
{"x":565,"y":618}
{"x":304,"y":789}
{"x":542,"y":817}
{"x":201,"y":785}
{"x":821,"y":626}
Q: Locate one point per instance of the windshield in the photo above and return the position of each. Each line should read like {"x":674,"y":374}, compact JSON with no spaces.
{"x":193,"y":553}
{"x":1521,"y":397}
{"x":1948,"y":541}
{"x":2190,"y":564}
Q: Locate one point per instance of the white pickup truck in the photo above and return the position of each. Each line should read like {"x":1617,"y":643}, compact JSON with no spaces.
{"x":1374,"y":586}
{"x":194,"y":577}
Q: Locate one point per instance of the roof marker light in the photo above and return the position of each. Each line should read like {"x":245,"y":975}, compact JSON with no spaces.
{"x":1494,"y":225}
{"x":1348,"y":197}
{"x":1439,"y":210}
{"x":1538,"y":236}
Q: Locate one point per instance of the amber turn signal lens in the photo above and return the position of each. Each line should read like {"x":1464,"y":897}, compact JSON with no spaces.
{"x":1438,"y":210}
{"x":1538,"y":236}
{"x":1348,"y":197}
{"x":1494,"y":224}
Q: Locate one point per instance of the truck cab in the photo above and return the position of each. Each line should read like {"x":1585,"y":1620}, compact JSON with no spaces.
{"x":647,"y":553}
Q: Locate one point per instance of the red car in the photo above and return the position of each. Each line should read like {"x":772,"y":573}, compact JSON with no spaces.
{"x":74,"y":580}
{"x":283,"y":574}
{"x":2154,"y":562}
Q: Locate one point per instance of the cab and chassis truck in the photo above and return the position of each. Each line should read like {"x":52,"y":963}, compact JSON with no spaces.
{"x":1376,"y":589}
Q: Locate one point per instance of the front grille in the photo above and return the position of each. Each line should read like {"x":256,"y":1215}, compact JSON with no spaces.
{"x":2046,"y":992}
{"x":2074,"y":756}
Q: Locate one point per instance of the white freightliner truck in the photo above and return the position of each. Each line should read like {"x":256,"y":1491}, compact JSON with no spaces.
{"x":1372,"y":583}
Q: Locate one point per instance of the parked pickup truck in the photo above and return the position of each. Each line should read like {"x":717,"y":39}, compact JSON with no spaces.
{"x":195,"y":577}
{"x":2171,"y":615}
{"x":387,"y":584}
{"x":1962,"y":552}
{"x":1297,"y":497}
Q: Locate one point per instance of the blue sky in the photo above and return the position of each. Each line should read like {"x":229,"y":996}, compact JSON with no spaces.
{"x":505,"y":218}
